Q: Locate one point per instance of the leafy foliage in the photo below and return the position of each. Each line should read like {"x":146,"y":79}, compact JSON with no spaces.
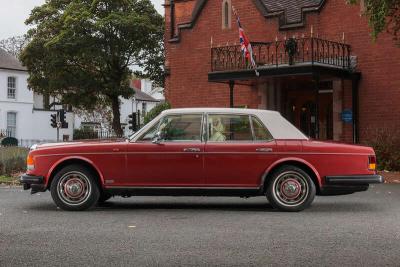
{"x":382,"y":15}
{"x":9,"y":141}
{"x":12,"y":159}
{"x":82,"y":50}
{"x":386,"y":142}
{"x":154,"y":112}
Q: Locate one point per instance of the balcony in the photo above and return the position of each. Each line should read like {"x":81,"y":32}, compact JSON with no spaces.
{"x":288,"y":55}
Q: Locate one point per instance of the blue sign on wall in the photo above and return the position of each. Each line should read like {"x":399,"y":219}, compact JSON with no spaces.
{"x":347,"y":116}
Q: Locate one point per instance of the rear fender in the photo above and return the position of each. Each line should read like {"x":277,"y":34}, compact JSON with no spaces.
{"x":289,"y":160}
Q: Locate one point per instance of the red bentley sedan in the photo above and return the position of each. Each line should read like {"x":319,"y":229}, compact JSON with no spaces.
{"x":203,"y":152}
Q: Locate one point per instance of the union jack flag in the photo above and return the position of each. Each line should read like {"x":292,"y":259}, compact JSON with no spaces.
{"x":245,"y":44}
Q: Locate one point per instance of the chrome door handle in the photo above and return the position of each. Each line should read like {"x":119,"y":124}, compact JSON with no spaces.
{"x":264,"y":149}
{"x":191,"y":149}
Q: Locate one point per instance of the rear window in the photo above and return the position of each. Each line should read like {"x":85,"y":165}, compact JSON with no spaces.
{"x":261,"y":133}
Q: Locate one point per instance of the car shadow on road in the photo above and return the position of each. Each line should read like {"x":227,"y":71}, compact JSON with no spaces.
{"x":334,"y":207}
{"x":115,"y":205}
{"x":258,"y":207}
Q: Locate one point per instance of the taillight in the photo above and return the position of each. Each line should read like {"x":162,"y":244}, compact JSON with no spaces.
{"x":372,"y":163}
{"x":30,"y":163}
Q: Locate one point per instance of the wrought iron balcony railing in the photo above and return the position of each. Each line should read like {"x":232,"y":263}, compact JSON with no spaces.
{"x":282,"y":53}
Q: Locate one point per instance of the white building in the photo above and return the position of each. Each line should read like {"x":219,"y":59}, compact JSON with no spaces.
{"x":25,"y":114}
{"x":22,"y":113}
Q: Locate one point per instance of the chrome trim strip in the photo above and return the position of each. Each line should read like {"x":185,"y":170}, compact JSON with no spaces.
{"x":182,"y":187}
{"x":205,"y":153}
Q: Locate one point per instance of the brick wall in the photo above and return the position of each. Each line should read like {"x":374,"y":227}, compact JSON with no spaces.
{"x":189,"y":59}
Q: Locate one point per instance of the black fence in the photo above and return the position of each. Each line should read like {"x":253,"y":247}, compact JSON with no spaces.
{"x":287,"y":52}
{"x":81,"y":134}
{"x":5,"y":133}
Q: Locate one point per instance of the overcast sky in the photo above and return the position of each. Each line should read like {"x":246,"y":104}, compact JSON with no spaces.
{"x":13,"y":14}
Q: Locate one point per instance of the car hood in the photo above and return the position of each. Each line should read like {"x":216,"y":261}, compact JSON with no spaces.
{"x":77,"y":143}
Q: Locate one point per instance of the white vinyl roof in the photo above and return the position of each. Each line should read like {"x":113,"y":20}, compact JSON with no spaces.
{"x":278,"y":126}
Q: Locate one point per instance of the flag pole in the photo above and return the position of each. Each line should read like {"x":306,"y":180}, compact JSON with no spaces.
{"x":245,"y":44}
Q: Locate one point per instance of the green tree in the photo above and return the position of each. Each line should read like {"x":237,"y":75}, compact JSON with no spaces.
{"x":382,"y":15}
{"x":154,"y":112}
{"x":82,"y":50}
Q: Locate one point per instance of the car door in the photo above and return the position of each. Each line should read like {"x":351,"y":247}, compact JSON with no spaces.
{"x":176,"y":160}
{"x":238,"y":151}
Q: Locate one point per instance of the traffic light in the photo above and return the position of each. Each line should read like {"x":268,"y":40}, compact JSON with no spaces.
{"x":132,"y":122}
{"x":63,"y":123}
{"x":53,"y":120}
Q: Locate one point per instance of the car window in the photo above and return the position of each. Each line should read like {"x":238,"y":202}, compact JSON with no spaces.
{"x":181,"y":127}
{"x":229,"y":128}
{"x":260,"y":132}
{"x":149,"y":134}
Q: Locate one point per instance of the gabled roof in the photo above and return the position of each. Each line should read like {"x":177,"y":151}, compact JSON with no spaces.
{"x":142,"y":96}
{"x":291,"y":13}
{"x":9,"y":62}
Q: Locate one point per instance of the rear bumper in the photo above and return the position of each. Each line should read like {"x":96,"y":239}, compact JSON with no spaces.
{"x":36,"y":183}
{"x":342,"y":185}
{"x":355,"y":180}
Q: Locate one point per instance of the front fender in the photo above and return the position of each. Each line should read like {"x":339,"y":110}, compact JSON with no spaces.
{"x":78,"y":158}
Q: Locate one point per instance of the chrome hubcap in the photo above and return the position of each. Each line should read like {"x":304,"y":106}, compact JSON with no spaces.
{"x":74,"y":188}
{"x":291,"y":188}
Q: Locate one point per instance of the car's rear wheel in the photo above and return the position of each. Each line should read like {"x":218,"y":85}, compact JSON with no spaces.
{"x":290,"y":189}
{"x":74,"y":188}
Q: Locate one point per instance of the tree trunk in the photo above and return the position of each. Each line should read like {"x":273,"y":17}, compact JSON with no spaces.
{"x":116,"y":121}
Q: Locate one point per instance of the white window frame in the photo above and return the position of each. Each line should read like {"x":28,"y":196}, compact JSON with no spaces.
{"x":12,"y":90}
{"x":12,"y":128}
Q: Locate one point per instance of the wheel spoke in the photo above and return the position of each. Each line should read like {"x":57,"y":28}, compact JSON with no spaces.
{"x":291,"y":188}
{"x":74,"y":188}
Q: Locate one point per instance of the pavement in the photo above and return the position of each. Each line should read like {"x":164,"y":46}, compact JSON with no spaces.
{"x":362,"y":229}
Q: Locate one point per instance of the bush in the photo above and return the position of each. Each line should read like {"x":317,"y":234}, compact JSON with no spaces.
{"x":386,"y":142}
{"x":84,"y":133}
{"x":9,"y":141}
{"x":154,"y":112}
{"x":12,"y":159}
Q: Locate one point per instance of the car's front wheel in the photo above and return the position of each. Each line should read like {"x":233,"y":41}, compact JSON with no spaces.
{"x":74,"y":188}
{"x":290,"y":189}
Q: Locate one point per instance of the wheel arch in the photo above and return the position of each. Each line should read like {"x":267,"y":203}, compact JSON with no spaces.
{"x":75,"y":160}
{"x":300,"y":163}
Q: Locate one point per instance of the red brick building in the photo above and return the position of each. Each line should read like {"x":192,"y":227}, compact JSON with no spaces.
{"x":317,"y":63}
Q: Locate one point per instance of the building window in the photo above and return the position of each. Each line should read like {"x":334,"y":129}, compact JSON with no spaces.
{"x":11,"y":85}
{"x":226,"y":14}
{"x":11,"y":124}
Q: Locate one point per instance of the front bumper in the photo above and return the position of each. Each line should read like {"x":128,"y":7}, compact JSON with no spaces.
{"x":36,"y":183}
{"x":342,"y":185}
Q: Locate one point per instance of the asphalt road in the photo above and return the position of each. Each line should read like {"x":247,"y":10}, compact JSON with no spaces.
{"x":362,"y":229}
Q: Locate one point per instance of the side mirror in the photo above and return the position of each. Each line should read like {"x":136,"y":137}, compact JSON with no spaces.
{"x":157,"y":138}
